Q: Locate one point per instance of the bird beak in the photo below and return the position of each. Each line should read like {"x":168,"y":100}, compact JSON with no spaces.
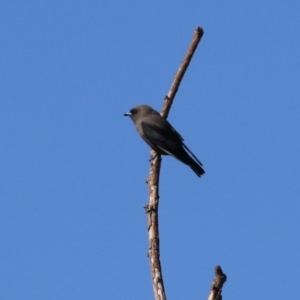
{"x":128,"y":114}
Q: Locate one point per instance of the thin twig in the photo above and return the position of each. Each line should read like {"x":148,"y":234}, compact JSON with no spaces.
{"x":153,"y":179}
{"x":198,"y":33}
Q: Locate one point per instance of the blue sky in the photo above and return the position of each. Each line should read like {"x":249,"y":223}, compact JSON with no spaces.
{"x":73,"y":169}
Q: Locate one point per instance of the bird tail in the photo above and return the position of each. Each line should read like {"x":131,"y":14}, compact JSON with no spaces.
{"x":194,"y":163}
{"x":197,"y":169}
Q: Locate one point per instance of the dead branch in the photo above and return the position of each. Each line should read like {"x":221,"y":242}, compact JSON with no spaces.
{"x":217,"y":284}
{"x":153,"y":179}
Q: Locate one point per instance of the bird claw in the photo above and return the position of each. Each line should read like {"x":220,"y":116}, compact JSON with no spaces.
{"x":152,"y":157}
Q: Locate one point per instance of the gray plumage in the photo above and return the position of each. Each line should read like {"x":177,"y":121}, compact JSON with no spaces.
{"x":159,"y":134}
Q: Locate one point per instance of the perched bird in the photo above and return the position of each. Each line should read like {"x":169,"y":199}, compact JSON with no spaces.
{"x":159,"y":134}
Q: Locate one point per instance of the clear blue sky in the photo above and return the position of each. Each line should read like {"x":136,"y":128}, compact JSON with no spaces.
{"x":73,"y":169}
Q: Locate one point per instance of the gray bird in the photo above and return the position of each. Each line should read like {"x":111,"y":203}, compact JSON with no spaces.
{"x":160,"y":135}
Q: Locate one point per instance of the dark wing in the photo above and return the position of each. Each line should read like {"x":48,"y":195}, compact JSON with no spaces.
{"x":164,"y":137}
{"x":192,"y":154}
{"x":168,"y":140}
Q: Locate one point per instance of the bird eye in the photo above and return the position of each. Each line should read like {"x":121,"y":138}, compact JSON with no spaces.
{"x":133,"y":111}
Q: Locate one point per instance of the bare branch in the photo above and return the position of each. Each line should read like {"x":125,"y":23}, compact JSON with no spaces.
{"x":153,"y":179}
{"x":217,"y":284}
{"x":198,"y":33}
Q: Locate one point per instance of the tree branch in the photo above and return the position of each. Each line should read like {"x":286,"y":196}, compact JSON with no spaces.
{"x":153,"y":179}
{"x":217,"y":284}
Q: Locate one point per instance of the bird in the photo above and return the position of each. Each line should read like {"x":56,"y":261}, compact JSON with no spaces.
{"x":161,"y":136}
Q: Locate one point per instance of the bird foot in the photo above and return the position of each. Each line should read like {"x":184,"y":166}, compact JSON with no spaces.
{"x":152,"y":157}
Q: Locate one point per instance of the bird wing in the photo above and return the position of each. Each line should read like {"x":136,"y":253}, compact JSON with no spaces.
{"x":165,"y":138}
{"x":192,"y":154}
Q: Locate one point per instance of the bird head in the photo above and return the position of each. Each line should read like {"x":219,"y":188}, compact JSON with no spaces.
{"x":138,"y":112}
